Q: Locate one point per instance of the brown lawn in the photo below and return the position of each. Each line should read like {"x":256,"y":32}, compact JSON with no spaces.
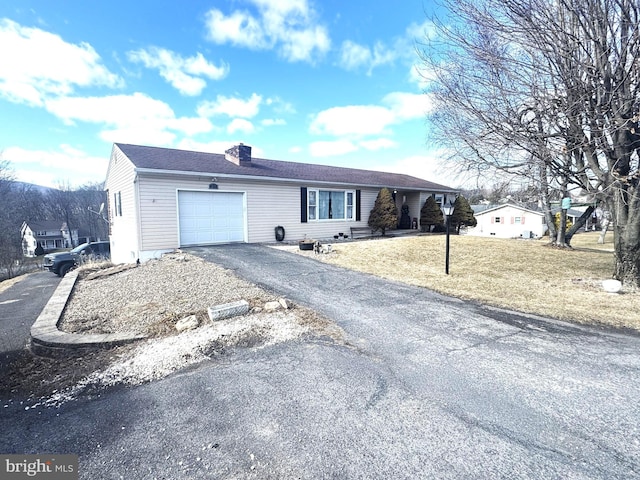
{"x":523,"y":275}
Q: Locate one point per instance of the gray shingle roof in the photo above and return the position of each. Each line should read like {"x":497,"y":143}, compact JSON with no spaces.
{"x":167,"y":159}
{"x":43,"y":225}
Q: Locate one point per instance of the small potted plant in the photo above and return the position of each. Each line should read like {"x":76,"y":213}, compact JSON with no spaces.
{"x":306,"y":243}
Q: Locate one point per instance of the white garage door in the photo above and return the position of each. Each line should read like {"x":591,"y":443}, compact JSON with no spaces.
{"x":210,"y":217}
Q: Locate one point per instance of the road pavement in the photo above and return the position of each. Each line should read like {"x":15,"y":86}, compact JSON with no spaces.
{"x":425,"y":387}
{"x":20,"y":305}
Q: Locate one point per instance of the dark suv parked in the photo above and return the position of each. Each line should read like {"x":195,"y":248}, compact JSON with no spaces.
{"x":60,"y":263}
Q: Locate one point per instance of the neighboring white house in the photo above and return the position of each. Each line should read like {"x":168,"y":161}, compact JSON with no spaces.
{"x":507,"y":221}
{"x":50,"y":235}
{"x":161,"y":199}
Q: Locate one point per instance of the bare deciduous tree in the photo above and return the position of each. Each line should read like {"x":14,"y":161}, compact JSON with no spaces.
{"x":79,"y":208}
{"x":19,"y":203}
{"x":547,"y":89}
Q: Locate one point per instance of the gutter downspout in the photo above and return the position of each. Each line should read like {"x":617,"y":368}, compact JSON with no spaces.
{"x":136,"y":195}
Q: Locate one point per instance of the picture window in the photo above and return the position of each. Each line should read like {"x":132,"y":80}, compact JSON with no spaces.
{"x":331,"y":204}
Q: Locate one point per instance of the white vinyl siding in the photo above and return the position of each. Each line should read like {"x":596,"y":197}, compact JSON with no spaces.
{"x":124,"y":229}
{"x":268,"y":205}
{"x":508,"y":221}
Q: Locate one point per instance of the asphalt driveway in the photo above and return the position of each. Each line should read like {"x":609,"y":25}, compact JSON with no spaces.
{"x":20,"y":305}
{"x":425,"y":387}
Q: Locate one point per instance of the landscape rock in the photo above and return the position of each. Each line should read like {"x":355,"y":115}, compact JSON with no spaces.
{"x":188,"y":323}
{"x":285,"y":303}
{"x":272,"y":306}
{"x":227,"y":310}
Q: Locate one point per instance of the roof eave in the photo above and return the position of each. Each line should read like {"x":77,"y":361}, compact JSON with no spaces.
{"x":142,"y":170}
{"x":498,"y":207}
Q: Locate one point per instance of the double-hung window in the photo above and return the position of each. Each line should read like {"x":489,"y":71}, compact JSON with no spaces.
{"x":330,"y":204}
{"x":313,"y":204}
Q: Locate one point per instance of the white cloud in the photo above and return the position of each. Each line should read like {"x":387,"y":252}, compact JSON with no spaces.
{"x":35,"y":65}
{"x":334,"y":148}
{"x":184,"y":74}
{"x":420,"y":76}
{"x":420,"y":32}
{"x":354,"y":56}
{"x":52,"y":167}
{"x":331,"y":148}
{"x":429,"y":167}
{"x":352,"y":120}
{"x":367,"y":127}
{"x":286,"y":25}
{"x":240,"y":125}
{"x":364,"y":120}
{"x":299,"y":46}
{"x":280,"y":106}
{"x":240,"y":29}
{"x":378,"y":144}
{"x":135,"y":118}
{"x":232,"y":107}
{"x":407,"y":106}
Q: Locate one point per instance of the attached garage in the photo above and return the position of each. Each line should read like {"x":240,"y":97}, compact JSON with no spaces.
{"x":206,"y":218}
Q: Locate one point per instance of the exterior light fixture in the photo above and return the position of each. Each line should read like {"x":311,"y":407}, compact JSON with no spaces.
{"x":447,"y":209}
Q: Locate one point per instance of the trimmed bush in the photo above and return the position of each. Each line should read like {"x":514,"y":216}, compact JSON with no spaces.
{"x":384,"y":215}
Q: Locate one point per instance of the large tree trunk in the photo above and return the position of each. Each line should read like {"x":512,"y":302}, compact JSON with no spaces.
{"x":627,"y":260}
{"x":626,"y":237}
{"x":546,"y":202}
{"x":562,"y":228}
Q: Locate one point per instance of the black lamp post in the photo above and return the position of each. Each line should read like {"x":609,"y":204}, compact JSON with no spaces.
{"x":448,"y":210}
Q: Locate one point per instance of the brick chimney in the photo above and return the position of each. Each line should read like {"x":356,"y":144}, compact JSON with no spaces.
{"x":239,"y":154}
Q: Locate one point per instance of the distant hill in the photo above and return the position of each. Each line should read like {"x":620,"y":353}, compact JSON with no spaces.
{"x":39,"y":188}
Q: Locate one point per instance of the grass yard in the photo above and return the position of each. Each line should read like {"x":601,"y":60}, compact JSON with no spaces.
{"x":523,"y":275}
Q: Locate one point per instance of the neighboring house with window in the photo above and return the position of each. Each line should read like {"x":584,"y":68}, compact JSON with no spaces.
{"x":50,"y":235}
{"x":161,"y":199}
{"x":574,"y":214}
{"x":507,"y":221}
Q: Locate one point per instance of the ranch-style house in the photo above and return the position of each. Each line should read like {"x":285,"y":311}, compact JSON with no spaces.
{"x":161,"y":199}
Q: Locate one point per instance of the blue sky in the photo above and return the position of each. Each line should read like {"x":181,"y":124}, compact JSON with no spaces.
{"x":328,"y":82}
